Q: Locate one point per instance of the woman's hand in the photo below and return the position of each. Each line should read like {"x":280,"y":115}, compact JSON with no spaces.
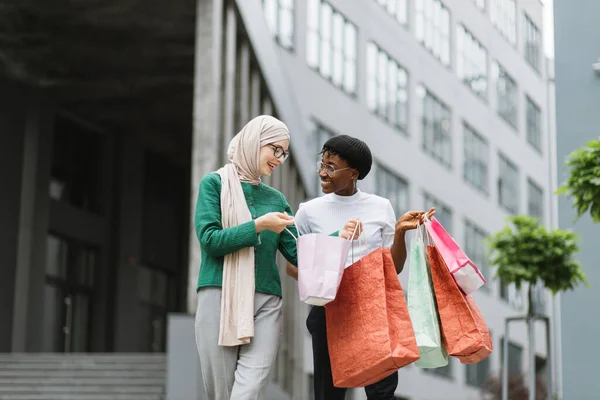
{"x":273,"y":221}
{"x":351,"y":230}
{"x":412,"y":219}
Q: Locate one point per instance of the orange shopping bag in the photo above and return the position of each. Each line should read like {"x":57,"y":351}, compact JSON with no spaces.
{"x":464,"y":331}
{"x":369,"y":332}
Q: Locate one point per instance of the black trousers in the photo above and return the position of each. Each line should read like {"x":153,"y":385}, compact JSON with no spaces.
{"x":323,"y":380}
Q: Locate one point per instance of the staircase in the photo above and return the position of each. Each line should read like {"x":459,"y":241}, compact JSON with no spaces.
{"x":88,"y":376}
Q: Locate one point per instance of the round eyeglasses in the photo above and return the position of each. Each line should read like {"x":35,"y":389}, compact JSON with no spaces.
{"x":279,"y":152}
{"x":329,"y":170}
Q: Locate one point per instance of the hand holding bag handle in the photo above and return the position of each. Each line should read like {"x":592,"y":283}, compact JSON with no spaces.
{"x":321,"y":263}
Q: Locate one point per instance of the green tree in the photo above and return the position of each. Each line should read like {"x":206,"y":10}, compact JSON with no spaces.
{"x":583,"y":183}
{"x":527,"y":252}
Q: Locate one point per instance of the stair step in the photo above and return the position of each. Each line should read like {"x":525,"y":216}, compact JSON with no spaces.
{"x":96,"y":389}
{"x":99,"y":361}
{"x":88,"y":356}
{"x":77,"y":382}
{"x":83,"y":376}
{"x":81,"y":366}
{"x":79,"y":396}
{"x":82,"y":373}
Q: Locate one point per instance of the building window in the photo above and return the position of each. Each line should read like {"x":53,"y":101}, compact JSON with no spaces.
{"x":475,"y":168}
{"x":506,"y":94}
{"x":503,"y":290}
{"x":480,"y":4}
{"x":76,"y":173}
{"x":508,"y":185}
{"x":478,"y":374}
{"x":441,"y":371}
{"x":387,"y":87}
{"x":512,"y":295}
{"x":535,"y":200}
{"x":475,"y":248}
{"x":280,"y":19}
{"x":471,"y":62}
{"x":534,"y":121}
{"x":397,"y":9}
{"x":443,"y":213}
{"x":321,"y":135}
{"x":432,"y":26}
{"x":393,"y":188}
{"x":538,"y":297}
{"x":436,"y":126}
{"x":532,"y":43}
{"x":504,"y":16}
{"x":515,"y":358}
{"x":331,"y":45}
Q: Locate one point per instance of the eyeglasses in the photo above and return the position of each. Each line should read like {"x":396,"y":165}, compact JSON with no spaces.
{"x":329,"y":170}
{"x":279,"y":152}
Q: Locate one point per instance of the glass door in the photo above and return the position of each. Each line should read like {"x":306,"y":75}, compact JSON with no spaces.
{"x":153,"y":294}
{"x":69,"y":291}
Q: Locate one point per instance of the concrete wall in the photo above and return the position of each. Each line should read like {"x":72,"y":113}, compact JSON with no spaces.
{"x":578,"y":120}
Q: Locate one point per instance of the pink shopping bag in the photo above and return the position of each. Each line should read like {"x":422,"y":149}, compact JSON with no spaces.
{"x":321,"y":262}
{"x":465,"y":273}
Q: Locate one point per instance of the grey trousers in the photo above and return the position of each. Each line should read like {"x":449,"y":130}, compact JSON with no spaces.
{"x":239,"y":372}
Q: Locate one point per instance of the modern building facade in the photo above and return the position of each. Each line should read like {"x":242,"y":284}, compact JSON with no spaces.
{"x":102,"y":153}
{"x":452,"y":96}
{"x":577,"y":97}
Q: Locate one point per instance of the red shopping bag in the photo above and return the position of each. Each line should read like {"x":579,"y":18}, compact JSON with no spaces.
{"x":464,"y":331}
{"x":369,"y":331}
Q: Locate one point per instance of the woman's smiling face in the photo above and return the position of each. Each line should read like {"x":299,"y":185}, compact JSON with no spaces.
{"x":337,"y":175}
{"x":272,"y":155}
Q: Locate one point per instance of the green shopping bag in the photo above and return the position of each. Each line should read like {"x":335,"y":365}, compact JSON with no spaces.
{"x":423,"y":309}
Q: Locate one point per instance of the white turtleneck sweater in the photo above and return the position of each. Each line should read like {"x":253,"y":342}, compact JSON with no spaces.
{"x":329,"y":214}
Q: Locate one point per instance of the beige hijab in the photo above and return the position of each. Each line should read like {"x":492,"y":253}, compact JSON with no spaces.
{"x":237,"y":297}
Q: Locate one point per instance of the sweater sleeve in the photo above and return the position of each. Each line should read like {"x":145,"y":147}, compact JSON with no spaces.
{"x":287,"y":242}
{"x":214,"y":239}
{"x":301,"y":221}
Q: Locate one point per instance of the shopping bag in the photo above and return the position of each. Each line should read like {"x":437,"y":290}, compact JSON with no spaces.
{"x":463,"y":270}
{"x":321,"y":262}
{"x":369,"y":332}
{"x":464,"y":331}
{"x":423,"y":309}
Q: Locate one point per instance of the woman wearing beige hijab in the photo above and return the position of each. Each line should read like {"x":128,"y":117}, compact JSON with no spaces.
{"x":241,"y":223}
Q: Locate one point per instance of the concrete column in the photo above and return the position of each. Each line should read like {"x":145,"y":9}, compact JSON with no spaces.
{"x":207,"y":117}
{"x":33,"y":224}
{"x":229,"y":100}
{"x":12,"y":126}
{"x":244,"y":96}
{"x":130,"y":248}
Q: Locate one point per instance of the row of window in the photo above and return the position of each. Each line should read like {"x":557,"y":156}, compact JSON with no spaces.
{"x":432,"y":27}
{"x":332,"y":51}
{"x":476,"y":174}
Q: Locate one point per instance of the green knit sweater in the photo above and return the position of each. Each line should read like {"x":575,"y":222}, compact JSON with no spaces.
{"x":216,"y":242}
